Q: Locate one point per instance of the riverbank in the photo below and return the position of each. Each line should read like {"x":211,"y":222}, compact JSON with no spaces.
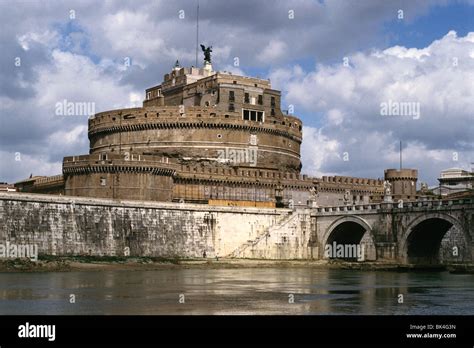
{"x":94,"y":263}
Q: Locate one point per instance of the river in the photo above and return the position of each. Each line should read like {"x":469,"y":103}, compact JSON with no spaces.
{"x":237,"y":291}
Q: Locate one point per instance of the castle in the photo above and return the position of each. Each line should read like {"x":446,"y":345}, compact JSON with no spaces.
{"x":200,"y":170}
{"x":207,"y":137}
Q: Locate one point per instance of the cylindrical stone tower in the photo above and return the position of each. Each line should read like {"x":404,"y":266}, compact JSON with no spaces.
{"x":403,"y":183}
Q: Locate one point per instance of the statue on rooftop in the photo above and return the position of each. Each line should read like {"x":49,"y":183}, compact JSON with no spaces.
{"x":207,"y":53}
{"x":387,"y":188}
{"x":424,"y":187}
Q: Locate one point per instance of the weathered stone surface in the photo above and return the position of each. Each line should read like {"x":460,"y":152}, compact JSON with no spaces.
{"x":76,"y":225}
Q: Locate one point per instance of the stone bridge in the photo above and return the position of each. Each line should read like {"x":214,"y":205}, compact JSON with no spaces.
{"x":424,"y":232}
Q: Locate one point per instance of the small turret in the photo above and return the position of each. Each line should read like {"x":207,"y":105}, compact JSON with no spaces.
{"x":403,"y":183}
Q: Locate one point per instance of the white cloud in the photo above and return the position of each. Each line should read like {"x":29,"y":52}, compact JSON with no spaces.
{"x":349,"y":98}
{"x":48,"y":137}
{"x":82,"y":60}
{"x":335,"y":116}
{"x":26,"y":165}
{"x":316,"y":150}
{"x":47,"y":38}
{"x":272,"y":52}
{"x":130,"y":32}
{"x":76,"y":78}
{"x":69,"y":137}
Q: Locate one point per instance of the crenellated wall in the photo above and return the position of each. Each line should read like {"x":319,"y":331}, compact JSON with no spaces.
{"x":196,"y":133}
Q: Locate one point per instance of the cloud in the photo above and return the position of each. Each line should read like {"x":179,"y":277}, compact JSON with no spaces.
{"x":317,"y":149}
{"x":23,"y":166}
{"x":439,"y":79}
{"x":274,"y":51}
{"x":127,"y":32}
{"x":34,"y":130}
{"x":86,"y":58}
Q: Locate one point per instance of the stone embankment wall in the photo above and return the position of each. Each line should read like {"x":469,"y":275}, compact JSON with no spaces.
{"x":61,"y":225}
{"x":65,"y":225}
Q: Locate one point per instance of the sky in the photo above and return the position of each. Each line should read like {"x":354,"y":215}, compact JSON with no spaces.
{"x":362,"y":75}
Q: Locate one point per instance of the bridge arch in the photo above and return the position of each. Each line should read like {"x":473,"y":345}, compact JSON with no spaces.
{"x":421,"y":241}
{"x":350,"y":230}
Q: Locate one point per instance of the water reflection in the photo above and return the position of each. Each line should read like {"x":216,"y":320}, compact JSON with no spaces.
{"x":237,"y":291}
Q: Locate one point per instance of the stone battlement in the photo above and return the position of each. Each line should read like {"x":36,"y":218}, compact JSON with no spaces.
{"x":351,"y":180}
{"x":117,"y":163}
{"x":403,"y":174}
{"x":186,"y":117}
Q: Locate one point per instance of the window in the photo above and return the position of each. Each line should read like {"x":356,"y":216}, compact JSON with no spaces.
{"x":148,"y":95}
{"x":246,"y":115}
{"x":272,"y":102}
{"x":246,"y":98}
{"x":231,"y":96}
{"x":273,"y":112}
{"x":231,"y":107}
{"x":103,"y":157}
{"x":253,"y":115}
{"x":260,"y":100}
{"x":103,"y":181}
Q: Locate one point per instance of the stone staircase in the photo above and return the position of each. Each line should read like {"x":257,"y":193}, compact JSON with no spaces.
{"x":240,"y":251}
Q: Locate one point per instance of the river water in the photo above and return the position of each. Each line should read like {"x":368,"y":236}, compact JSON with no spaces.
{"x":237,"y":291}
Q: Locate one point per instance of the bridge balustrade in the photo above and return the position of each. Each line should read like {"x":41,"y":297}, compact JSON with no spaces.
{"x":394,"y":205}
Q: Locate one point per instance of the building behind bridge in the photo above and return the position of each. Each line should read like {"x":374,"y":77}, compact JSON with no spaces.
{"x":455,"y":182}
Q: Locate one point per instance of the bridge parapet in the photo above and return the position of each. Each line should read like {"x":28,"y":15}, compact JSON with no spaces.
{"x":394,"y":207}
